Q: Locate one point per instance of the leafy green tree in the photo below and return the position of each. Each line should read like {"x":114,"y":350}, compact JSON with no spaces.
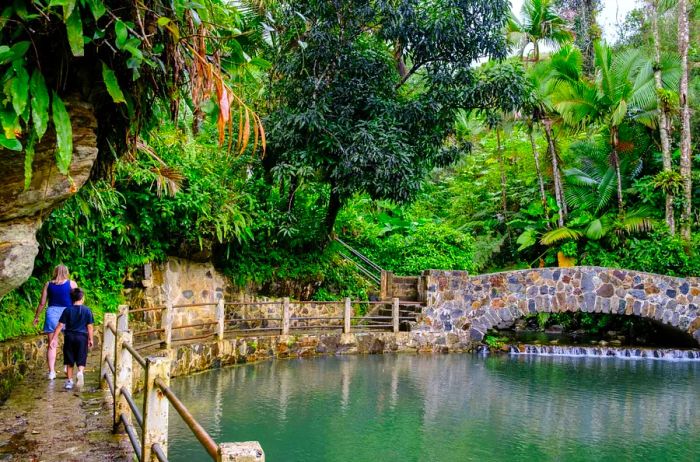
{"x":349,"y":114}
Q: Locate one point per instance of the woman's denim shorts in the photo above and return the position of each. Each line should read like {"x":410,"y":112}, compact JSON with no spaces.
{"x":53,"y":314}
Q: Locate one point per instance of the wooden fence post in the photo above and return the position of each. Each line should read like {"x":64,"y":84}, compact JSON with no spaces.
{"x":347,"y":315}
{"x":395,"y":314}
{"x":248,"y":451}
{"x":220,"y":318}
{"x":122,"y":377}
{"x":285,"y":316}
{"x":155,"y":408}
{"x":108,"y":344}
{"x":166,"y":323}
{"x":123,"y":318}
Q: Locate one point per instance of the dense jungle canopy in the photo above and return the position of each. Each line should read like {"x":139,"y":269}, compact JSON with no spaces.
{"x":452,"y":134}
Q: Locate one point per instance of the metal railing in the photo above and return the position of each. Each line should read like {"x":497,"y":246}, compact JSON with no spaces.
{"x":361,"y":263}
{"x":147,"y":426}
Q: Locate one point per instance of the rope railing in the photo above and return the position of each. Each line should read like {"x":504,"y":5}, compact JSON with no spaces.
{"x":151,"y":443}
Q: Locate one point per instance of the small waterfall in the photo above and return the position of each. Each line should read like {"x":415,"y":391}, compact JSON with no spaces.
{"x":667,"y":354}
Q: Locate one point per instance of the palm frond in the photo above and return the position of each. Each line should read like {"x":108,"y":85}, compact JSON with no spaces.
{"x":637,"y":224}
{"x":639,"y":220}
{"x":560,"y":234}
{"x":595,"y":230}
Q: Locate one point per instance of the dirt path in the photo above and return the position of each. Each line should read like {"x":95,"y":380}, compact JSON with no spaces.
{"x":43,"y":422}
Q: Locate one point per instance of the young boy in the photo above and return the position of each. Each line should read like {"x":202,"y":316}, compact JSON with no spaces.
{"x":77,"y":336}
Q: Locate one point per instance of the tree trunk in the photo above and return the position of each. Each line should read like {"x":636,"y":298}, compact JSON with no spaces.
{"x":556,"y":174}
{"x":615,"y":158}
{"x":588,"y":22}
{"x":502,"y":165}
{"x":686,"y":160}
{"x":664,"y":118}
{"x":334,"y":205}
{"x":538,"y":169}
{"x":398,"y":58}
{"x":291,"y":194}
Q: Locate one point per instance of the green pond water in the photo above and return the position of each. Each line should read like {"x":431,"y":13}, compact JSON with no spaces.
{"x":448,"y":408}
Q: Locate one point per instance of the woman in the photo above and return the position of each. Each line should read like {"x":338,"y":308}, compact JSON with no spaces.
{"x":57,"y":291}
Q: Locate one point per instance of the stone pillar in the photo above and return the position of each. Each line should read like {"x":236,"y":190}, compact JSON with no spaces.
{"x":248,"y":451}
{"x":108,"y":347}
{"x":155,"y":408}
{"x":347,"y":315}
{"x":123,"y":318}
{"x":166,"y":323}
{"x":385,"y":285}
{"x":123,"y":366}
{"x":220,"y":319}
{"x":395,"y":314}
{"x":285,"y":316}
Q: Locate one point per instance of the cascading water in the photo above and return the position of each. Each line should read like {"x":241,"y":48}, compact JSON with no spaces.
{"x":668,"y":354}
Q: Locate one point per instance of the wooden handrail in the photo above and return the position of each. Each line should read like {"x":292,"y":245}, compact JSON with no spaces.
{"x":194,"y":305}
{"x":200,"y":324}
{"x":143,"y":310}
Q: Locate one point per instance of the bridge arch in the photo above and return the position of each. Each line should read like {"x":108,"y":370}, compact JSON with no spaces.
{"x":458,"y":302}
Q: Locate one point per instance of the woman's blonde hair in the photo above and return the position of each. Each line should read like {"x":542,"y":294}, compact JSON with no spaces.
{"x":60,"y":272}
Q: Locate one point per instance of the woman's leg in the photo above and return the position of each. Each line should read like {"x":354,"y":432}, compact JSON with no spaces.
{"x":51,"y":352}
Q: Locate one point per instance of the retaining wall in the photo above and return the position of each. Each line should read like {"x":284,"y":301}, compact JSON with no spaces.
{"x":194,"y":357}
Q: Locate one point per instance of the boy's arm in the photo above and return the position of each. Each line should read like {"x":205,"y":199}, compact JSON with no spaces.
{"x":89,"y":328}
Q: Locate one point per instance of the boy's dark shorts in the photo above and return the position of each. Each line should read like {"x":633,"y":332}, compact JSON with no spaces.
{"x":75,"y":349}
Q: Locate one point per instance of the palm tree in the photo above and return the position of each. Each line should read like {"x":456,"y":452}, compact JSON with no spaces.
{"x":590,"y":191}
{"x":604,"y":102}
{"x":544,"y":77}
{"x":540,"y":24}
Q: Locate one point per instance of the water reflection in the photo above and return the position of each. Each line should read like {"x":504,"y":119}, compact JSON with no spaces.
{"x":448,"y":408}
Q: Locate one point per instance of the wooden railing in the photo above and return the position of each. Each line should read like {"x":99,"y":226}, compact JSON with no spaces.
{"x":147,"y":426}
{"x":282,"y":321}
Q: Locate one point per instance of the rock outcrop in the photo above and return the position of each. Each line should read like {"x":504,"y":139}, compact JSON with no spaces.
{"x":22,"y":211}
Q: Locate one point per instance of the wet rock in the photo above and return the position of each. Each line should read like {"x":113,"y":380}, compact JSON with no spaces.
{"x":554,"y":329}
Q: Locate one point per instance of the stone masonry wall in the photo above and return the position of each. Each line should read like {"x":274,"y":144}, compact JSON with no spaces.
{"x":459,"y":302}
{"x":184,"y":282}
{"x":199,"y":356}
{"x":19,"y":355}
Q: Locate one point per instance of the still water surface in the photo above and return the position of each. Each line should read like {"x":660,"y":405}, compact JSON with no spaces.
{"x":448,"y":408}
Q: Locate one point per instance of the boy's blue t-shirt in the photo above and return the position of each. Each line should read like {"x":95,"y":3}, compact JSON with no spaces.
{"x":76,"y":318}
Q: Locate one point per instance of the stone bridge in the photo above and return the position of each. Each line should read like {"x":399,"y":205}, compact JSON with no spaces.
{"x":458,"y":302}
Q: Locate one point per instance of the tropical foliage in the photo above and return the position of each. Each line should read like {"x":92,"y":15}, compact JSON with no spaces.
{"x":443,"y":133}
